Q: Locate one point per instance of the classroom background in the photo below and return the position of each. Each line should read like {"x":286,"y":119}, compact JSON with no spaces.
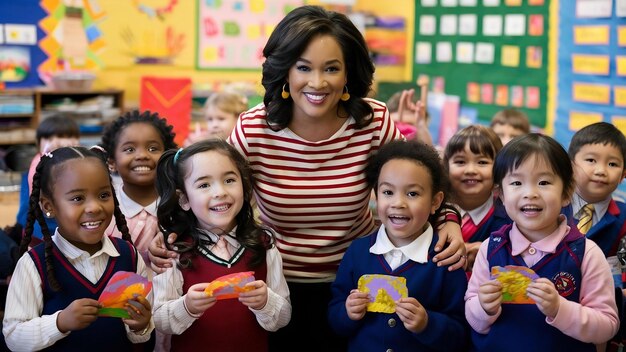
{"x":562,"y":62}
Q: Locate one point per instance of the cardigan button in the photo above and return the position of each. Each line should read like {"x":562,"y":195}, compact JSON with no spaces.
{"x":391,"y":322}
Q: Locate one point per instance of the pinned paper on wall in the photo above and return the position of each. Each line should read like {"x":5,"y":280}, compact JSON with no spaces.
{"x":593,"y":35}
{"x":590,"y":64}
{"x":620,"y":8}
{"x":535,"y":25}
{"x":468,"y":3}
{"x":485,"y":53}
{"x":1,"y":33}
{"x":502,"y":95}
{"x":510,"y":55}
{"x":532,"y":97}
{"x":514,"y":25}
{"x":621,"y":36}
{"x":513,"y":2}
{"x":473,"y":92}
{"x":444,"y":52}
{"x":429,"y":3}
{"x":535,"y":2}
{"x":580,"y":119}
{"x":465,"y":52}
{"x":594,"y":8}
{"x":491,"y":3}
{"x":486,"y":93}
{"x":620,"y":63}
{"x":619,"y":95}
{"x":619,"y":122}
{"x":534,"y":56}
{"x":448,"y":25}
{"x":492,"y":25}
{"x":20,"y":34}
{"x":467,"y":24}
{"x":423,"y":52}
{"x":428,"y":25}
{"x":591,"y":93}
{"x":449,"y":3}
{"x":14,"y":63}
{"x":517,"y":96}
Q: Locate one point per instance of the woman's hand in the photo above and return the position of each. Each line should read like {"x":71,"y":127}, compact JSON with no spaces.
{"x":160,"y":256}
{"x":490,"y":296}
{"x":197,"y":301}
{"x":454,"y":254}
{"x":140,"y":313}
{"x":412,"y":313}
{"x":257,"y":298}
{"x":545,"y":295}
{"x":356,"y":304}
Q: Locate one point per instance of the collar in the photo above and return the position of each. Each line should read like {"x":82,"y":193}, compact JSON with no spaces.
{"x":599,"y":209}
{"x":416,"y":251}
{"x":231,"y":237}
{"x":478,"y":214}
{"x":129,"y":207}
{"x":70,"y":251}
{"x":519,"y":243}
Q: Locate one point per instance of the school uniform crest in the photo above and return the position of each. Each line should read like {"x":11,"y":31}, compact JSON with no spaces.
{"x":565,"y":283}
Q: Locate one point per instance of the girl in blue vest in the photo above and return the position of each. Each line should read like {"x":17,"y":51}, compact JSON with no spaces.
{"x":52,"y":298}
{"x":409,"y":183}
{"x":205,"y":192}
{"x":574,"y":298}
{"x":468,"y":159}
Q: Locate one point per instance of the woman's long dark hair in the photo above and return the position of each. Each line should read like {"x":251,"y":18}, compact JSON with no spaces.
{"x":291,"y":38}
{"x":172,"y":168}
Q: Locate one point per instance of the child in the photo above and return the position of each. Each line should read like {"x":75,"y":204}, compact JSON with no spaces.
{"x":221,"y":111}
{"x":135,"y":142}
{"x":409,"y":182}
{"x":575,"y":303}
{"x":510,"y":123}
{"x":52,"y":298}
{"x":598,"y":155}
{"x":52,"y":133}
{"x":468,"y":159}
{"x":205,"y":192}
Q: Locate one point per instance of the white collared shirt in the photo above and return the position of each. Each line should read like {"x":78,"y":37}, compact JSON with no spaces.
{"x":478,"y":214}
{"x":416,"y":251}
{"x":599,"y":209}
{"x":24,"y":326}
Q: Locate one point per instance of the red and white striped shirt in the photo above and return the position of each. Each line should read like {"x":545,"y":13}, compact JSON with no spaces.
{"x":313,"y":194}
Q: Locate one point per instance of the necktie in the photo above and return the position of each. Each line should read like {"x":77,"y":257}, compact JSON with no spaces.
{"x":585,"y":221}
{"x":221,"y":249}
{"x":468,"y":228}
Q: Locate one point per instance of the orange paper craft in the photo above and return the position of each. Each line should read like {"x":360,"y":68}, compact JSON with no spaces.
{"x":230,"y":286}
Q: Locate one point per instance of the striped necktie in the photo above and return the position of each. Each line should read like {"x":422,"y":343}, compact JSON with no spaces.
{"x":585,"y":221}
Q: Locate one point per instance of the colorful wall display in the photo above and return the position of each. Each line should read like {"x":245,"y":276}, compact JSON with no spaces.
{"x":490,"y":53}
{"x":231,"y":34}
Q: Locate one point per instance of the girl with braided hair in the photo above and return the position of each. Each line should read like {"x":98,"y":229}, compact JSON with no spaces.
{"x":52,"y":298}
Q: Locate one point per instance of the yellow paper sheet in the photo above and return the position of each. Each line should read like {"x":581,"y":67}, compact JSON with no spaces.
{"x":510,"y":55}
{"x":591,"y":35}
{"x":591,"y":93}
{"x":619,"y":93}
{"x":590,"y":64}
{"x":579,"y":119}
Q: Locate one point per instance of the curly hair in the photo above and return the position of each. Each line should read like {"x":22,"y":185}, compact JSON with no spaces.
{"x":112,"y":132}
{"x":43,"y":183}
{"x":291,"y":38}
{"x":172,"y":168}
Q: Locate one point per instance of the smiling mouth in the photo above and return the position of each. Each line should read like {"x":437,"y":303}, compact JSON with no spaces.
{"x":315,"y":98}
{"x":531,"y":209}
{"x":220,"y":208}
{"x":142,"y":168}
{"x":398,"y":220}
{"x":90,"y":225}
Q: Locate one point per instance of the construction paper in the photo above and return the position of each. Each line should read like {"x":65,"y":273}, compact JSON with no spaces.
{"x":515,"y":280}
{"x":230,"y":286}
{"x":384,"y":291}
{"x":122,"y":286}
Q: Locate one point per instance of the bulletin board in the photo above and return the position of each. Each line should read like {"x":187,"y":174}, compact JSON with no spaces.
{"x":491,"y":53}
{"x":231,"y":34}
{"x":592,"y":66}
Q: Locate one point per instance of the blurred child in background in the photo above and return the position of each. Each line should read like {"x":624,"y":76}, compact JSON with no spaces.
{"x":510,"y":123}
{"x":221,"y":111}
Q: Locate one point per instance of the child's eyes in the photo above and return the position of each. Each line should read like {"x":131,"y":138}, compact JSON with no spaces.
{"x":515,"y":183}
{"x":544,"y":183}
{"x":614,"y":164}
{"x":589,"y":160}
{"x":412,"y":194}
{"x":154,"y":149}
{"x":203,"y":185}
{"x":332,"y":69}
{"x":484,"y":162}
{"x":230,"y":180}
{"x":129,"y":150}
{"x":387,"y":192}
{"x":105,"y":195}
{"x":458,"y":162}
{"x":76,"y":199}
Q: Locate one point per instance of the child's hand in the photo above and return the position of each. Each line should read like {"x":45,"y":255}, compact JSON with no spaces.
{"x":472,"y":250}
{"x":356,"y":304}
{"x":197,"y":301}
{"x":545,"y":295}
{"x":490,"y":296}
{"x":78,"y":315}
{"x":257,"y":298}
{"x":140,"y":313}
{"x":454,"y":254}
{"x":160,"y":256}
{"x":412,"y":314}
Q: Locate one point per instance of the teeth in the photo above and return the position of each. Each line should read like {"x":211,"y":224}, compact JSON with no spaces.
{"x":142,"y":168}
{"x":315,"y":97}
{"x":221,"y":208}
{"x":91,"y":224}
{"x":398,"y":219}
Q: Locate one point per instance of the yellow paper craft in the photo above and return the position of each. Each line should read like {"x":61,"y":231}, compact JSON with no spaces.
{"x":122,"y":287}
{"x":230,"y":286}
{"x":515,"y":280}
{"x":384,"y":291}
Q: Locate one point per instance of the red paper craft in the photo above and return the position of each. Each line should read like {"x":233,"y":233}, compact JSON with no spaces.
{"x":122,"y":286}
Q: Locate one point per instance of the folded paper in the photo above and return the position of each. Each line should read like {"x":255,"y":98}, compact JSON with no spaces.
{"x":122,"y":286}
{"x":515,"y":280}
{"x":230,"y":286}
{"x":384,"y":291}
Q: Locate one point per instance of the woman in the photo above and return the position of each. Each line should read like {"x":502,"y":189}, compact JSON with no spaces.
{"x":308,"y":144}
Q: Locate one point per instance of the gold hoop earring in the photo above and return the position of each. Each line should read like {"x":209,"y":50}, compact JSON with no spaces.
{"x":285,"y":92}
{"x":346,"y":95}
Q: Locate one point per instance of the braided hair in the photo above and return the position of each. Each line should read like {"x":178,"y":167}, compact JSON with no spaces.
{"x":43,"y":183}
